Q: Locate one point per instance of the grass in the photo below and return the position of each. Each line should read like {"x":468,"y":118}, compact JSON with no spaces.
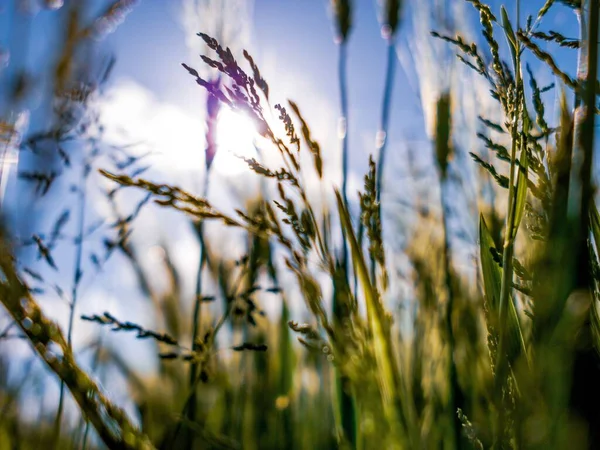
{"x":506,"y":359}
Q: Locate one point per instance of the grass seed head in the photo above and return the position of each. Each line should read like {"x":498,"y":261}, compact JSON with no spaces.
{"x":342,"y":15}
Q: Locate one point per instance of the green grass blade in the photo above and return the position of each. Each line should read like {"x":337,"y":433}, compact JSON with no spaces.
{"x":492,"y":274}
{"x":492,"y":280}
{"x":378,"y":323}
{"x":510,"y":35}
{"x":379,"y":327}
{"x":375,"y":311}
{"x":521,"y":194}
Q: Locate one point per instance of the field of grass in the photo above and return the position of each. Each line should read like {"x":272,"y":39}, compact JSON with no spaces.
{"x":421,"y":354}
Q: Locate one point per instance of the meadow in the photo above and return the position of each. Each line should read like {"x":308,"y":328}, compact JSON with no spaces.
{"x":342,"y":319}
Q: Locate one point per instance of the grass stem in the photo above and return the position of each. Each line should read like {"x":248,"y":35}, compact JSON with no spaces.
{"x":77,"y":273}
{"x":197,"y":314}
{"x":381,"y":138}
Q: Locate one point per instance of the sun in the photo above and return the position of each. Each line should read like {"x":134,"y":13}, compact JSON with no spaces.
{"x":235,"y":139}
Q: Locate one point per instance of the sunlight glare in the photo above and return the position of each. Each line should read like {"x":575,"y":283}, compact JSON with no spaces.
{"x":235,"y":139}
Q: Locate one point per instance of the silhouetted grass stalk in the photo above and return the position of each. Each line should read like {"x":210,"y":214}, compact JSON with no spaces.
{"x":346,"y":408}
{"x":443,"y":148}
{"x":77,"y":273}
{"x":212,"y":111}
{"x":585,"y":392}
{"x":381,"y":138}
{"x":344,"y":398}
{"x":391,"y":16}
{"x":197,"y":314}
{"x":509,"y":232}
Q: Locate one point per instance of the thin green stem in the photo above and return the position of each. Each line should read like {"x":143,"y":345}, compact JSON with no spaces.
{"x":456,"y":398}
{"x":197,"y":314}
{"x":509,"y":238}
{"x":77,"y":273}
{"x":382,"y":135}
{"x":345,"y":400}
{"x":501,"y":366}
{"x":188,"y":405}
{"x":343,"y":134}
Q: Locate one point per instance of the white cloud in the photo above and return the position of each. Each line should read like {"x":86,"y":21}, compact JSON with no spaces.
{"x":133,"y":114}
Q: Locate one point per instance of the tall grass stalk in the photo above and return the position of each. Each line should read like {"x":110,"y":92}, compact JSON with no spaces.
{"x":347,"y":406}
{"x":343,"y":132}
{"x":389,"y":26}
{"x":212,"y":113}
{"x":443,"y":147}
{"x":346,"y":410}
{"x":77,"y":273}
{"x":285,"y":349}
{"x":381,"y":138}
{"x":197,"y":313}
{"x":510,"y":231}
{"x":342,"y":11}
{"x":585,"y":391}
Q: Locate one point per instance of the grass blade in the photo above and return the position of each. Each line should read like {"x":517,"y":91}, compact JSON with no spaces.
{"x":521,"y":192}
{"x":492,"y":281}
{"x":379,"y":327}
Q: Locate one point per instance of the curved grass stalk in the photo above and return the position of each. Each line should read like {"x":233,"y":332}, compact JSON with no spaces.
{"x":110,"y":422}
{"x":382,"y":135}
{"x":396,"y":404}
